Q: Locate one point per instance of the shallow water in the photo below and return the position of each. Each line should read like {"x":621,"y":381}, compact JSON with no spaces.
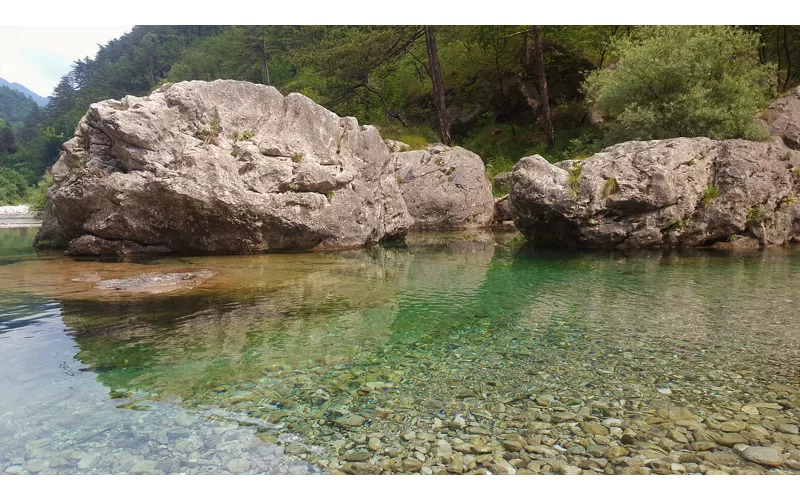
{"x":289,"y":362}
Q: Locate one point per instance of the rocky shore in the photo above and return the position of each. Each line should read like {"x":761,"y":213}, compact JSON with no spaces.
{"x":18,"y":216}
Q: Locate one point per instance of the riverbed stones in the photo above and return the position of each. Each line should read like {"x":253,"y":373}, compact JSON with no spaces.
{"x":374,"y":444}
{"x":672,"y":192}
{"x":594,"y":428}
{"x":348,"y":421}
{"x":763,"y":455}
{"x":357,"y":456}
{"x":238,"y":466}
{"x":157,"y":282}
{"x":731,"y":439}
{"x":514,"y":443}
{"x":223,"y":167}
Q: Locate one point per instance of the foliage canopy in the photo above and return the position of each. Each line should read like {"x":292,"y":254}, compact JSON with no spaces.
{"x":683,"y":81}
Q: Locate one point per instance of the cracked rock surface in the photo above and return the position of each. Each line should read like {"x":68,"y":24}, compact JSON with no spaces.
{"x":444,"y":188}
{"x":671,"y":192}
{"x":222,"y":167}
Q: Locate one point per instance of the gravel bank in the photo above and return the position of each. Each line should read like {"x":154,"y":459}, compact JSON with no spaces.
{"x":18,"y":216}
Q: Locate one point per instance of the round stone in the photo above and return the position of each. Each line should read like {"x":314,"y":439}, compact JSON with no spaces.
{"x":238,"y":466}
{"x":763,"y":455}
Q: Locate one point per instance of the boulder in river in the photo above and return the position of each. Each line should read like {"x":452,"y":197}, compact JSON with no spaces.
{"x":671,"y":192}
{"x":223,"y":167}
{"x":444,"y":188}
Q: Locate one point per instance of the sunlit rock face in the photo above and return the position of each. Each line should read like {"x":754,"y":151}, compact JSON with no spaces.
{"x":444,"y":188}
{"x":672,"y":192}
{"x":223,"y":167}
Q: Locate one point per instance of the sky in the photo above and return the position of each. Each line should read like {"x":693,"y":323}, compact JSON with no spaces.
{"x":38,"y":56}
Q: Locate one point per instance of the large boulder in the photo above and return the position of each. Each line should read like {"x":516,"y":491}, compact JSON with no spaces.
{"x":673,"y":192}
{"x":223,"y":167}
{"x":783,"y":117}
{"x":444,"y":188}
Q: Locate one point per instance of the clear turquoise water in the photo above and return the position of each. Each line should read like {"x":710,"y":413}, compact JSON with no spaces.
{"x":290,"y":344}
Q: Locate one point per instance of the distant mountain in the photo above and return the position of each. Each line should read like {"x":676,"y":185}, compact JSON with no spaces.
{"x":41,"y":101}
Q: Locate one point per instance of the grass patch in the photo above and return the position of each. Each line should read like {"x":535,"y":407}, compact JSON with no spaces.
{"x":610,"y":187}
{"x":573,"y":178}
{"x":710,"y":193}
{"x":679,"y":224}
{"x":210,"y":133}
{"x":416,"y":136}
{"x":496,"y":165}
{"x":752,"y":216}
{"x":787,"y":200}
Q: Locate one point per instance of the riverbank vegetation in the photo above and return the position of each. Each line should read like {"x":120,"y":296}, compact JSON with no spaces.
{"x":506,"y":91}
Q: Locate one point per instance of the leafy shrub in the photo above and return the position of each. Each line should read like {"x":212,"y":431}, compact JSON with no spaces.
{"x":13,"y":187}
{"x":37,"y":197}
{"x":677,"y":81}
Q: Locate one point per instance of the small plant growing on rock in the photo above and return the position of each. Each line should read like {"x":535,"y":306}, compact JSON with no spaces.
{"x":574,"y":177}
{"x":399,"y":180}
{"x":331,"y":194}
{"x":210,"y":133}
{"x":297,"y":157}
{"x":710,"y":193}
{"x":679,"y":224}
{"x":235,"y":151}
{"x":796,"y":171}
{"x":610,"y":187}
{"x":752,"y":216}
{"x":787,"y":200}
{"x":246,"y":135}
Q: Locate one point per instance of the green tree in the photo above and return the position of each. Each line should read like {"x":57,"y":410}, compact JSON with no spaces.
{"x":13,"y":187}
{"x":673,"y":81}
{"x":7,"y":142}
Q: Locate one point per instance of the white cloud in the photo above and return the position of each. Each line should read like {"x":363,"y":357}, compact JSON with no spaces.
{"x":37,"y":56}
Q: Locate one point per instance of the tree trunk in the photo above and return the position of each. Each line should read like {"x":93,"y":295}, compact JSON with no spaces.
{"x":438,"y":86}
{"x":788,"y":60}
{"x":266,"y":63}
{"x":548,"y":118}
